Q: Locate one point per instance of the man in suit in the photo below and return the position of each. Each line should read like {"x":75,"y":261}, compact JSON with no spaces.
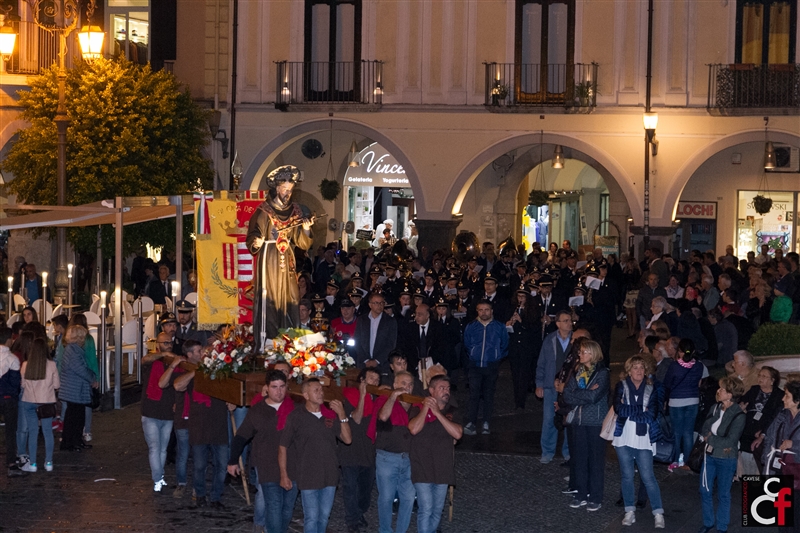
{"x":376,"y":336}
{"x":187,"y":327}
{"x":159,"y":289}
{"x":422,"y":338}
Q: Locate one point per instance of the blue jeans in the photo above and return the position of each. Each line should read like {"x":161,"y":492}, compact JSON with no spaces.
{"x":393,"y":476}
{"x":549,"y":439}
{"x":156,"y":435}
{"x":683,"y":425}
{"x":279,"y":505}
{"x":238,"y":416}
{"x":644,"y":461}
{"x":181,"y":454}
{"x":22,"y":430}
{"x":722,"y":470}
{"x":317,"y":505}
{"x":219,"y":458}
{"x":259,"y":507}
{"x":430,"y":502}
{"x":32,"y":423}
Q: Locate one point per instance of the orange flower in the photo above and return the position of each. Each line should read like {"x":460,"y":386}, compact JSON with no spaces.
{"x":312,"y":367}
{"x":321,"y":360}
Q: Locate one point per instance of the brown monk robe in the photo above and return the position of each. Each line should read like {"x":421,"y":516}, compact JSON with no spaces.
{"x":276,"y":227}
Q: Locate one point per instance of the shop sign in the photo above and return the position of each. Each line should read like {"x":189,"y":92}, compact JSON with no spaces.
{"x":705,"y":210}
{"x":377,"y":168}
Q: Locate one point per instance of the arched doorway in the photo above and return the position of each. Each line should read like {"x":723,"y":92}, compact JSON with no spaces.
{"x":582,"y":195}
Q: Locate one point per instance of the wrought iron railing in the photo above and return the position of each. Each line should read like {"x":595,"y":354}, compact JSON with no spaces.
{"x":524,"y":84}
{"x":36,"y":49}
{"x":748,"y":86}
{"x":334,"y":82}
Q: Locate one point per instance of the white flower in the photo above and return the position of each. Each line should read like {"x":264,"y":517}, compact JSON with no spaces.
{"x":234,"y":352}
{"x":330,"y":368}
{"x":221,"y":356}
{"x":330,"y":357}
{"x":349,"y":360}
{"x":207,"y":361}
{"x":307,"y":371}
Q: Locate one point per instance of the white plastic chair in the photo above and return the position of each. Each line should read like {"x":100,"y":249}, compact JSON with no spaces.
{"x":95,"y":307}
{"x":14,"y":319}
{"x":59,"y":310}
{"x":149,"y":328}
{"x":129,"y":332}
{"x":167,"y":305}
{"x":48,"y":310}
{"x":92,"y":319}
{"x":19,"y":300}
{"x":191,"y":297}
{"x":95,"y":298}
{"x":143,"y":305}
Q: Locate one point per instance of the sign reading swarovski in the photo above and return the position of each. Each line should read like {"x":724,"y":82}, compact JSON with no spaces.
{"x":377,"y":168}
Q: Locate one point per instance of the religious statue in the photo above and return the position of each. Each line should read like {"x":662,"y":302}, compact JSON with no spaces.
{"x":276,"y":227}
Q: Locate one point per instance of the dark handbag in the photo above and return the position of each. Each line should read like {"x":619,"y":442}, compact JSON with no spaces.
{"x":791,"y":468}
{"x":46,"y":410}
{"x":95,"y":398}
{"x":697,"y":456}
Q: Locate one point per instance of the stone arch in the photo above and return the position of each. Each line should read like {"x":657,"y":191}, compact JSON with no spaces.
{"x":612,"y":173}
{"x":693,"y":163}
{"x":257,"y":169}
{"x":11,"y":129}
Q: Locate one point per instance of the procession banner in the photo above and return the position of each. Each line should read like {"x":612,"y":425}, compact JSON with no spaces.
{"x":215,"y":234}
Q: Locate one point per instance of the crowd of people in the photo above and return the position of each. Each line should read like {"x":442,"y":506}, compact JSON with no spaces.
{"x":425,"y":325}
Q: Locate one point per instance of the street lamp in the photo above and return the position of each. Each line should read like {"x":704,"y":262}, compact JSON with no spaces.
{"x":237,"y":170}
{"x":65,"y":15}
{"x":7,"y":40}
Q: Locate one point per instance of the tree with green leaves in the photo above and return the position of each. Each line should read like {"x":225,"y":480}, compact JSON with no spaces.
{"x":132,"y":132}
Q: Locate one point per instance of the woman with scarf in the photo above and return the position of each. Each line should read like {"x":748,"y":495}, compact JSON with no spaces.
{"x":76,"y":385}
{"x":636,"y":402}
{"x":721,"y":432}
{"x":587,"y":390}
{"x":682,"y":385}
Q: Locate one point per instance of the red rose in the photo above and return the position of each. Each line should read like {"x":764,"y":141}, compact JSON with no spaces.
{"x":228,"y":359}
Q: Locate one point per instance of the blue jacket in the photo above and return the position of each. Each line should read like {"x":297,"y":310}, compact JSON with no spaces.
{"x":683,"y":382}
{"x":627,"y":409}
{"x":486,"y":344}
{"x":546,"y":366}
{"x":76,"y":378}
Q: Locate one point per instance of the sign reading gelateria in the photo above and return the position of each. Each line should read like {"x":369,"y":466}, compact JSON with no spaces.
{"x":377,"y":168}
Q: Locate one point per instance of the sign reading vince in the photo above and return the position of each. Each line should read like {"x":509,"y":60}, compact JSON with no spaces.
{"x":377,"y":167}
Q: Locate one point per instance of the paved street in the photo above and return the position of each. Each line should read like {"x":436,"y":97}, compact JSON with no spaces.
{"x":501,"y":487}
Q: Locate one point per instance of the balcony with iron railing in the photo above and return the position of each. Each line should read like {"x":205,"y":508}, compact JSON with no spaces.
{"x":523,"y":87}
{"x":332,"y":83}
{"x":37,"y":49}
{"x":749,"y":89}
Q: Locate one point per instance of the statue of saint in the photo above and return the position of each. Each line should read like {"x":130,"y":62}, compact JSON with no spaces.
{"x":276,"y":227}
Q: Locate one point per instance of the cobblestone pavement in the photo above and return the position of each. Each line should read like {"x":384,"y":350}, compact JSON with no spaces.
{"x":501,"y":486}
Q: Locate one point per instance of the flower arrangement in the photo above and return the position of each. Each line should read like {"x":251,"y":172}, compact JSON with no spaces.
{"x":231,"y":353}
{"x":308,"y":353}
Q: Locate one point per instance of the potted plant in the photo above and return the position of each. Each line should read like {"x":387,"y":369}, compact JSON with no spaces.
{"x":583,"y":93}
{"x":538,"y":198}
{"x":762,"y":204}
{"x":329,"y":189}
{"x":499,"y":93}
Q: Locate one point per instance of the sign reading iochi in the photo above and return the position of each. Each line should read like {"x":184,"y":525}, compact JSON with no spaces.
{"x":377,"y":168}
{"x":707,"y":210}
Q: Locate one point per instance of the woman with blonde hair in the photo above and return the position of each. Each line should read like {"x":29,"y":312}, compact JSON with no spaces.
{"x":39,"y":383}
{"x":586,"y":390}
{"x":76,"y":387}
{"x":636,"y":402}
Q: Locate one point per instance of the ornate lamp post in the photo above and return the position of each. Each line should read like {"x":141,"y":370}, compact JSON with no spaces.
{"x":61,"y":17}
{"x":7,"y":39}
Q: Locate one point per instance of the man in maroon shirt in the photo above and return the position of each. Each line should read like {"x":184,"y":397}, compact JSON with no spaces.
{"x":358,"y":459}
{"x":208,"y":432}
{"x":264,"y":425}
{"x":432,"y":460}
{"x":311,"y":432}
{"x":344,"y":327}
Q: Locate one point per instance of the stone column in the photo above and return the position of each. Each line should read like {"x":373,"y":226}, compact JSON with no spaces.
{"x":436,"y":234}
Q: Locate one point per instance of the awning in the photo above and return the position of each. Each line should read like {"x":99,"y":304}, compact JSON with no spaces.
{"x":94,"y":214}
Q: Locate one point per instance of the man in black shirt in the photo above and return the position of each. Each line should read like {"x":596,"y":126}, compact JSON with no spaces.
{"x":432,"y":460}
